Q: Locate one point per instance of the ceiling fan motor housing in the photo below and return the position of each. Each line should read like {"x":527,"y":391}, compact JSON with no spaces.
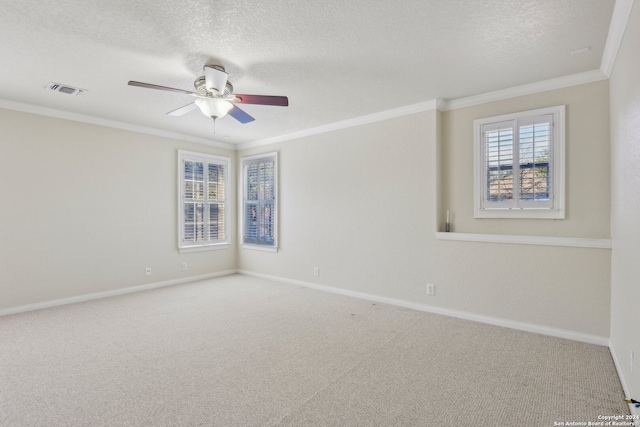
{"x":201,"y":83}
{"x":201,"y":86}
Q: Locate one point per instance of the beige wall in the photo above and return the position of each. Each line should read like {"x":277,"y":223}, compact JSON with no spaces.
{"x":363,"y":205}
{"x":625,"y":203}
{"x":555,"y":287}
{"x":587,"y":164}
{"x":86,"y":209}
{"x":551,"y":287}
{"x":358,"y":203}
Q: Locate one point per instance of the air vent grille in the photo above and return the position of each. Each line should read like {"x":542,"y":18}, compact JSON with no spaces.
{"x":69,"y":90}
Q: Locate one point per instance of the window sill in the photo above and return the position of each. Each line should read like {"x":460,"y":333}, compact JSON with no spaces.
{"x":573,"y":242}
{"x":215,"y":247}
{"x":259,"y":248}
{"x":519,"y":213}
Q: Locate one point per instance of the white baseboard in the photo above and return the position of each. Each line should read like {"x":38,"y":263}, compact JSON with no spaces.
{"x":111,"y":293}
{"x":528,"y":327}
{"x":625,"y":388}
{"x":496,"y":321}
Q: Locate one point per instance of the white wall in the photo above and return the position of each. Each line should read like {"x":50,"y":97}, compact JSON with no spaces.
{"x":625,"y":203}
{"x":86,"y":208}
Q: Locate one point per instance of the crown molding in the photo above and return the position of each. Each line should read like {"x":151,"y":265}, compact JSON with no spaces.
{"x":441,"y":105}
{"x":619,"y":19}
{"x":59,"y":114}
{"x":357,"y":121}
{"x":617,"y":27}
{"x":528,"y":89}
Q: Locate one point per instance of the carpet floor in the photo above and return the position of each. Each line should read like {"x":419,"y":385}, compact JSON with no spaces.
{"x":240,"y":351}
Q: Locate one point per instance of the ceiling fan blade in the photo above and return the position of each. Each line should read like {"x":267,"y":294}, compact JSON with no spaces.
{"x":170,"y":89}
{"x":215,"y":78}
{"x":240,"y":115}
{"x":182,"y":110}
{"x":281,"y":101}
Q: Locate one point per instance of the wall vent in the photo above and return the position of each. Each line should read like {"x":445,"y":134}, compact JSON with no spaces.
{"x":69,"y":90}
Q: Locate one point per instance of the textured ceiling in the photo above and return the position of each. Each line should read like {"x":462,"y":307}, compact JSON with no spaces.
{"x":334,"y":59}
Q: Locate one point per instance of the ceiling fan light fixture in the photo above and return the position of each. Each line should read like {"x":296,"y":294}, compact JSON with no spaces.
{"x":214,"y":107}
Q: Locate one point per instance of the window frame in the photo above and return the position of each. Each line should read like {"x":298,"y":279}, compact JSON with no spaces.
{"x":207,"y":244}
{"x":244,"y":162}
{"x":556,"y":210}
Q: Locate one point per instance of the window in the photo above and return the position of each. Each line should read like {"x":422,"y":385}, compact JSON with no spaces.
{"x":202,"y":194}
{"x":259,"y":210}
{"x":519,"y":165}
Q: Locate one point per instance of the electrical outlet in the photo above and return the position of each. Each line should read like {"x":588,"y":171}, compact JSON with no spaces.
{"x":184,"y":265}
{"x":148,"y":271}
{"x":431,"y":289}
{"x":316,"y":271}
{"x":631,"y":360}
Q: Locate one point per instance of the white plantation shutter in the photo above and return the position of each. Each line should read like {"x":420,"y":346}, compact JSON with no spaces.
{"x":259,"y":200}
{"x":202,"y":193}
{"x":535,"y":148}
{"x":498,"y":154}
{"x":520,"y":165}
{"x":216,"y":198}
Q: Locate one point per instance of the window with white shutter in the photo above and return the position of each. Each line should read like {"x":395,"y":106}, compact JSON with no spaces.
{"x":259,"y":207}
{"x":202,"y":190}
{"x":519,"y":165}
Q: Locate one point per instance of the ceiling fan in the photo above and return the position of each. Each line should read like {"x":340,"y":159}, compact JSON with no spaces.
{"x":215,"y":97}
